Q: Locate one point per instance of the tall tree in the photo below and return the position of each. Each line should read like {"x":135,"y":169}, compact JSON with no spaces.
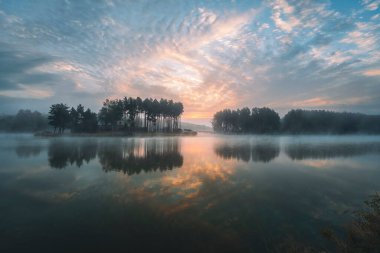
{"x":130,"y":107}
{"x":90,"y":121}
{"x":147,"y":115}
{"x":111,"y":113}
{"x":265,"y":120}
{"x":74,"y":120}
{"x":59,"y":117}
{"x":26,"y":120}
{"x":259,"y":120}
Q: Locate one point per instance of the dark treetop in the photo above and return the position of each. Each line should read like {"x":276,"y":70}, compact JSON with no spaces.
{"x":265,"y":120}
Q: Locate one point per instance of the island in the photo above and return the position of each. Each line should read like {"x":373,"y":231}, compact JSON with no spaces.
{"x":119,"y":117}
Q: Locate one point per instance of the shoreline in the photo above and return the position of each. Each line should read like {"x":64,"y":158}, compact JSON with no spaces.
{"x":115,"y":134}
{"x":192,"y":133}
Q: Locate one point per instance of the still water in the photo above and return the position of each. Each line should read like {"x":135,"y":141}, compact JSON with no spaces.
{"x":207,"y":193}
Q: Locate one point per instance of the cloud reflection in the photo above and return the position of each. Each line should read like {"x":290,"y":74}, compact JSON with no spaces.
{"x":208,"y":195}
{"x":208,"y":54}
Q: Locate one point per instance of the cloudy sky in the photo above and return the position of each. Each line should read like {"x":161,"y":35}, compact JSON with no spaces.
{"x":208,"y":54}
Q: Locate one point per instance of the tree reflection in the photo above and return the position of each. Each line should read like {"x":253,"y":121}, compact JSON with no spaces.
{"x":302,"y":151}
{"x":130,"y":157}
{"x":259,"y":152}
{"x":62,"y":153}
{"x":238,"y":152}
{"x":265,"y":152}
{"x":136,"y":156}
{"x":25,"y":151}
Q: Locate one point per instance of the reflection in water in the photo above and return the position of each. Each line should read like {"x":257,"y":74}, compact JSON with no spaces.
{"x":62,"y":153}
{"x":131,"y":157}
{"x":206,"y":205}
{"x":302,"y":151}
{"x":135,"y":156}
{"x":260,"y":152}
{"x":265,"y":152}
{"x":28,"y":151}
{"x":239,"y":152}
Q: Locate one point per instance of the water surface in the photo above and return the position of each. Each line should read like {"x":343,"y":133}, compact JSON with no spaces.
{"x":207,"y":193}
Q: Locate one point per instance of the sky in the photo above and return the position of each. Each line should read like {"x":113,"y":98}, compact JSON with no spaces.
{"x":209,"y":55}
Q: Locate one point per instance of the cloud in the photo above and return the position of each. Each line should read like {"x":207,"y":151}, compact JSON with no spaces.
{"x":27,"y":76}
{"x":187,"y":70}
{"x":208,"y":55}
{"x":27,"y":92}
{"x":360,"y":39}
{"x":318,"y":102}
{"x":18,"y":71}
{"x":372,"y":72}
{"x":282,"y":8}
{"x":371,"y":5}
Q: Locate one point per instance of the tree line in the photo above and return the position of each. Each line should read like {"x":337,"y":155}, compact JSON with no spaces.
{"x":266,"y":121}
{"x":320,"y":121}
{"x":128,"y":114}
{"x":78,"y":120}
{"x":137,"y":114}
{"x":23,"y":121}
{"x":257,"y":120}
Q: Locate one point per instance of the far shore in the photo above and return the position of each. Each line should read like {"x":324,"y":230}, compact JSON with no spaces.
{"x":116,"y":134}
{"x":186,"y":133}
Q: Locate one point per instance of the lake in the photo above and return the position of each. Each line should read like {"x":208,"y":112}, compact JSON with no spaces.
{"x":208,"y":193}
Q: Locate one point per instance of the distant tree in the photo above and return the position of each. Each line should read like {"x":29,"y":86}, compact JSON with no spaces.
{"x":117,"y":114}
{"x":155,"y":111}
{"x":321,"y":121}
{"x":259,"y":120}
{"x":218,"y":122}
{"x":265,"y":120}
{"x":28,"y":121}
{"x":83,"y":121}
{"x":80,"y":111}
{"x":148,"y":114}
{"x":111,"y":113}
{"x":178,"y":110}
{"x":90,"y":121}
{"x":24,"y":121}
{"x":59,"y":117}
{"x":244,"y":119}
{"x":146,"y":107}
{"x":6,"y":122}
{"x":74,"y":120}
{"x":131,"y":109}
{"x":103,"y":117}
{"x":222,"y":121}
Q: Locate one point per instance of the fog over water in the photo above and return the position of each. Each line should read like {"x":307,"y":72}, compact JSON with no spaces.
{"x":209,"y":193}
